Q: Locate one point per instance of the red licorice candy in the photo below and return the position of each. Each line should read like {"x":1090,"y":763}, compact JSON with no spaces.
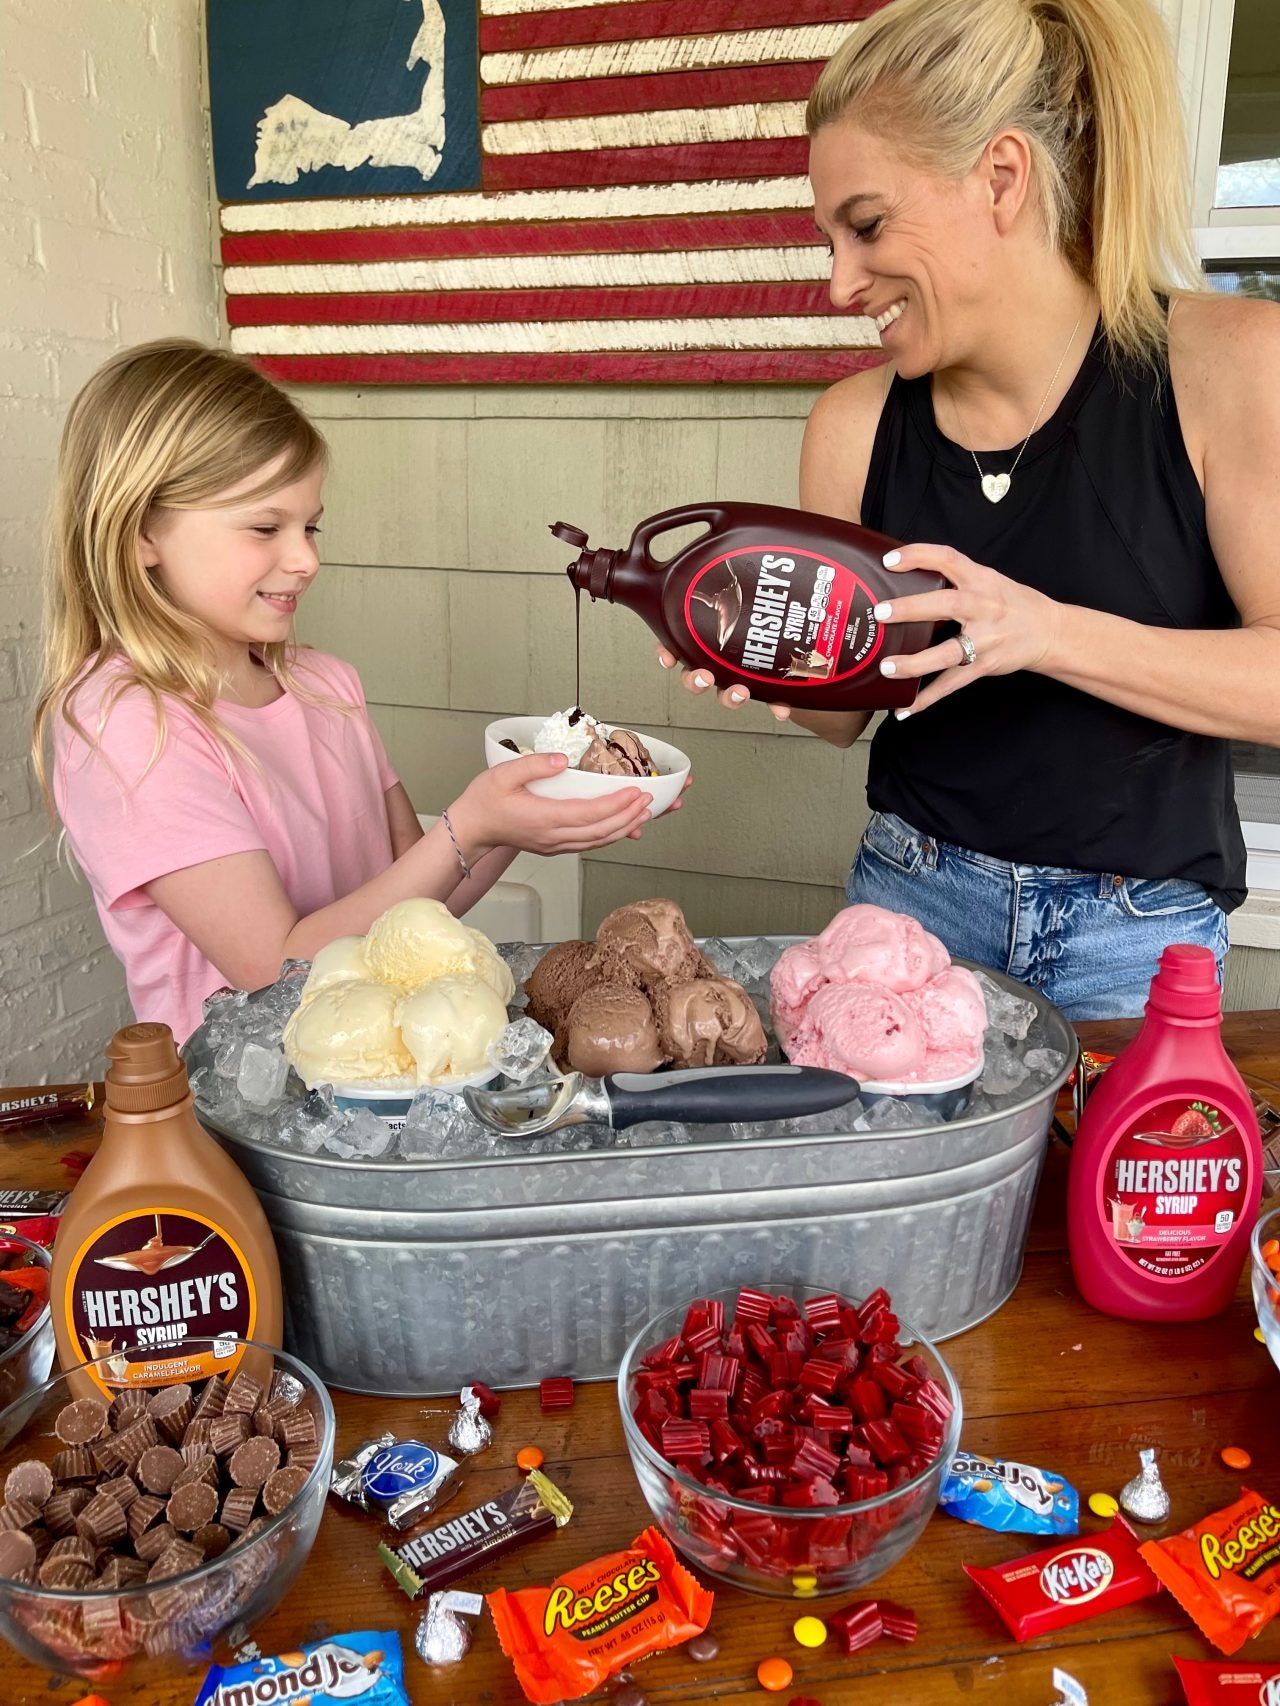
{"x":490,"y":1402}
{"x":857,"y":1625}
{"x":555,"y":1394}
{"x":1067,"y":1583}
{"x":900,"y":1622}
{"x":1208,"y":1684}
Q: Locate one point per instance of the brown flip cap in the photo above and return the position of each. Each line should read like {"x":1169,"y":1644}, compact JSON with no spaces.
{"x":145,"y":1073}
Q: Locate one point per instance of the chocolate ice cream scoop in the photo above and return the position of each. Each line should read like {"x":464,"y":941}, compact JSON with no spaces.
{"x":621,"y":753}
{"x":710,"y":1022}
{"x":557,"y":981}
{"x":650,"y":942}
{"x":611,"y":1028}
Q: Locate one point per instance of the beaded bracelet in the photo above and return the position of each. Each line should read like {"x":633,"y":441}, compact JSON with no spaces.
{"x":462,"y":860}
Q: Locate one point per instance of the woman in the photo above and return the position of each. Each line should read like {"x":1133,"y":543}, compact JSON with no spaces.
{"x":1087,"y":445}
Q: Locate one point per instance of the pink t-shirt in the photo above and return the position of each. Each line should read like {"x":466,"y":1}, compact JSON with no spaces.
{"x":314,"y":800}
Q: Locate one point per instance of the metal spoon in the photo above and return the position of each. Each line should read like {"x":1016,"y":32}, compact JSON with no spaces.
{"x":705,"y":1095}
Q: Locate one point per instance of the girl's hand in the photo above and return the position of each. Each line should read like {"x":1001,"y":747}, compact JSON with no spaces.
{"x":497,"y":810}
{"x":1010,"y":626}
{"x":698,"y":681}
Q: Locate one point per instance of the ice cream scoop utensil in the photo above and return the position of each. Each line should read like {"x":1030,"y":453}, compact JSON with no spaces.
{"x":701,"y":1096}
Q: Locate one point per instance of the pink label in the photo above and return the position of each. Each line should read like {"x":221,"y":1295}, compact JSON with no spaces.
{"x":1174,"y":1187}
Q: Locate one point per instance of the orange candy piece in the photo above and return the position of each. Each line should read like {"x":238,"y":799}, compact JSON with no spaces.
{"x":529,"y":1457}
{"x":774,"y":1675}
{"x":1235,"y":1457}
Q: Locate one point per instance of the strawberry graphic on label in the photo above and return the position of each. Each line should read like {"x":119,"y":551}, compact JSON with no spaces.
{"x":1200,"y":1120}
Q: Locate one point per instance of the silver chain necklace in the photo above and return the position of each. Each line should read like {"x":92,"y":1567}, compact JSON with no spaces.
{"x":996,"y":486}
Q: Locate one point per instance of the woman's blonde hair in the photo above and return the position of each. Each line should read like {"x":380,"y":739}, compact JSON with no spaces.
{"x":1089,"y":83}
{"x":169,"y":425}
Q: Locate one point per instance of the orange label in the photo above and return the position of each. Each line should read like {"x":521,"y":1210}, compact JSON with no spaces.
{"x":143,"y":1287}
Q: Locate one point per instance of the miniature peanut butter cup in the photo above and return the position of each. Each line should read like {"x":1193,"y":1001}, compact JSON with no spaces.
{"x":213,"y":1539}
{"x":192,"y":1506}
{"x":243,"y":1395}
{"x":127,"y":1406}
{"x":159,"y":1467}
{"x":63,"y":1507}
{"x":178,"y":1555}
{"x":138,"y":1437}
{"x":32,"y":1482}
{"x":172,"y":1409}
{"x":17,"y":1553}
{"x":122,"y":1573}
{"x":18,"y":1513}
{"x":145,"y":1510}
{"x":81,"y":1422}
{"x":255,"y":1461}
{"x":212,"y":1401}
{"x":226,"y":1432}
{"x":283,"y":1487}
{"x":101,"y":1521}
{"x":67,"y":1573}
{"x":150,"y":1545}
{"x":297,"y":1428}
{"x":122,"y":1490}
{"x":238,"y":1508}
{"x":73,"y":1546}
{"x":203,"y":1468}
{"x":74,"y":1463}
{"x":197,"y":1435}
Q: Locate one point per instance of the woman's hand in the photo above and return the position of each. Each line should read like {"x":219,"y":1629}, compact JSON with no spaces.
{"x":497,"y":810}
{"x":699,"y":680}
{"x":1008,"y":625}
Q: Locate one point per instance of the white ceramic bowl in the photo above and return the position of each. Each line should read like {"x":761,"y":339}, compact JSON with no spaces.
{"x":663,"y":789}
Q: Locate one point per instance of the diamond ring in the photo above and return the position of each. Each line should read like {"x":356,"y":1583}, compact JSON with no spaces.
{"x":969,"y":650}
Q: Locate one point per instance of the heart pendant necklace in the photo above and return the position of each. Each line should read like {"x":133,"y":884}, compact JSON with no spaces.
{"x":996,"y":486}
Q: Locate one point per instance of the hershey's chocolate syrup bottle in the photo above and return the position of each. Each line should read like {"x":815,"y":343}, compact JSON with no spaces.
{"x":778,"y":599}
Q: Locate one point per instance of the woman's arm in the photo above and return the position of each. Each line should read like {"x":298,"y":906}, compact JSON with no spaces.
{"x":1225,"y":360}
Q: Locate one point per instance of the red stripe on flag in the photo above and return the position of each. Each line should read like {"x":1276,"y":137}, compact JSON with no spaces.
{"x":545,"y":237}
{"x":679,"y":163}
{"x":660,"y":93}
{"x":681,"y":367}
{"x":640,"y":20}
{"x":583,"y":302}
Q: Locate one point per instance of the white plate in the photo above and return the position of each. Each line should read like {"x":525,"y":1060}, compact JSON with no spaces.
{"x":662,"y":789}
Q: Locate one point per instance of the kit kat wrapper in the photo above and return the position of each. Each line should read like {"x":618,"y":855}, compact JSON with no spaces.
{"x":1067,"y":1583}
{"x":1240,"y":1684}
{"x":439,"y":1556}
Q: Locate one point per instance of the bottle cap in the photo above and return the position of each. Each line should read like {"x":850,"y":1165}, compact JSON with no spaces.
{"x":1186,"y":984}
{"x":145,"y":1072}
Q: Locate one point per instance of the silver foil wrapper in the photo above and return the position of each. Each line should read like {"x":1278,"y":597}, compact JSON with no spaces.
{"x":349,"y":1478}
{"x":469,"y":1432}
{"x":442,"y":1636}
{"x":1144,"y":1498}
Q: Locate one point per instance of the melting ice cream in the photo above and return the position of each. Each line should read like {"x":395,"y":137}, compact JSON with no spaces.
{"x":591,"y":745}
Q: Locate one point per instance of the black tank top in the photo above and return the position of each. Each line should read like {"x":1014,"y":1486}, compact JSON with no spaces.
{"x":1104,"y":511}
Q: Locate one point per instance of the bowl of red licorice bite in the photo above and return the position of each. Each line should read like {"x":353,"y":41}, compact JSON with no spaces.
{"x":788,"y":1444}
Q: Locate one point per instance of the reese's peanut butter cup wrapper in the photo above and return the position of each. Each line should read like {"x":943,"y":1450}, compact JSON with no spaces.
{"x":1224,"y":1571}
{"x":568,"y":1639}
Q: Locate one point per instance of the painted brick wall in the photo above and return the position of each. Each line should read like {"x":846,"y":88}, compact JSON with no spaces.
{"x":104,"y":241}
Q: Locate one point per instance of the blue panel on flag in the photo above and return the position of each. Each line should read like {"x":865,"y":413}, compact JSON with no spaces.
{"x":326,"y":98}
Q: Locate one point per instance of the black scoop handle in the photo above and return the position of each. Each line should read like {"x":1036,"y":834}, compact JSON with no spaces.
{"x":710,"y":1095}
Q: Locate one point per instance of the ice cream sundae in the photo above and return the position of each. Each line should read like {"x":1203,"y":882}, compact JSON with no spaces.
{"x":591,"y":745}
{"x":875,"y":995}
{"x":642,"y":996}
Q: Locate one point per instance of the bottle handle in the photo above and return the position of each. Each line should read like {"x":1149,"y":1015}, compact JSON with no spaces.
{"x":686,"y":515}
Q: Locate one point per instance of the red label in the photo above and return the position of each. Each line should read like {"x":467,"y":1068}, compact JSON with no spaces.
{"x":781,"y":613}
{"x":1174,"y":1188}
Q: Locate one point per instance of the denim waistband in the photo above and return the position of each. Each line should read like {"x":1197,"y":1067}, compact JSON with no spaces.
{"x":926,"y":851}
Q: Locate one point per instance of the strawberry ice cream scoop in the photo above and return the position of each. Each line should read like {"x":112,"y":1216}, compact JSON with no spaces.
{"x":953,"y":1020}
{"x":868,"y":944}
{"x":869,"y":1033}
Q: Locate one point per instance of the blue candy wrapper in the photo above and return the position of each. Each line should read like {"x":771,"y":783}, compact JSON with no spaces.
{"x":366,"y":1666}
{"x":994,"y":1492}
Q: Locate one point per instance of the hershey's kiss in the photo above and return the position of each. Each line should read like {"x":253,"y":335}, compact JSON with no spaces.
{"x":1144,"y":1498}
{"x":442,"y":1637}
{"x":469,"y":1432}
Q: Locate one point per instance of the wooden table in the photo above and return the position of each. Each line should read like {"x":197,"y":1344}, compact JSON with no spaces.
{"x":1045,"y":1381}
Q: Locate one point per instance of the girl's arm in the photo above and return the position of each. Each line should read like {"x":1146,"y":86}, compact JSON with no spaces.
{"x":405,"y":830}
{"x":237,"y":913}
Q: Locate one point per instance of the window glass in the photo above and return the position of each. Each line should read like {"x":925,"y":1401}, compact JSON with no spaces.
{"x":1248,"y":278}
{"x":1249,"y":172}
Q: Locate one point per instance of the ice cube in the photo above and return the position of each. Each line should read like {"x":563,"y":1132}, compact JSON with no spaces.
{"x":654,"y":1132}
{"x":890,"y":1113}
{"x":262,"y":1075}
{"x":1003,"y":1069}
{"x":223,"y":1003}
{"x":521,"y":1050}
{"x":1009,"y":1014}
{"x":439,"y":1127}
{"x":754,"y":960}
{"x":227,"y":1060}
{"x":303,"y":1125}
{"x":521,"y":957}
{"x":720,"y":954}
{"x":1044,"y":1062}
{"x":359,"y":1134}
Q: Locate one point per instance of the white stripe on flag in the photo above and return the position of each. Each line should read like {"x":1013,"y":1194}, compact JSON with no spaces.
{"x":558,"y":336}
{"x":496,"y":272}
{"x":505,"y":8}
{"x":647,"y":130}
{"x":664,"y":53}
{"x":622,"y":201}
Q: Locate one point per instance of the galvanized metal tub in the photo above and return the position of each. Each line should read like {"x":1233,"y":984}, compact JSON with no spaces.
{"x":409,"y":1278}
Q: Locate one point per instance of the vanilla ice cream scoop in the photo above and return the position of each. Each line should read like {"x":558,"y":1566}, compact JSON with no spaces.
{"x":491,"y":968}
{"x":416,"y":941}
{"x":339,"y":961}
{"x":447,"y":1026}
{"x":347,"y":1034}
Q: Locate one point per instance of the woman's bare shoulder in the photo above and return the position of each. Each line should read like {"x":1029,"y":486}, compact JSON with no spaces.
{"x":837,"y":443}
{"x":1224,"y":362}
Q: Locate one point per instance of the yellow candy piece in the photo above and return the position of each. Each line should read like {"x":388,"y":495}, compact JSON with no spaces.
{"x":1102,"y":1504}
{"x":809,"y":1631}
{"x":1259,"y":1335}
{"x":804,"y":1581}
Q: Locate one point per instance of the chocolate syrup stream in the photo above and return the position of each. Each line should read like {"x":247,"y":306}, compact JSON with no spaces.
{"x":577,"y":645}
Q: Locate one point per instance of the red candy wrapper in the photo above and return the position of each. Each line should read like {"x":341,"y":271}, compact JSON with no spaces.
{"x":568,"y":1639}
{"x":1207,"y":1684}
{"x":1224,"y":1571}
{"x":1067,"y":1583}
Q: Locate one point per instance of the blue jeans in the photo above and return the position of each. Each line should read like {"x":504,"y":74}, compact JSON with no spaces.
{"x":1087,"y":940}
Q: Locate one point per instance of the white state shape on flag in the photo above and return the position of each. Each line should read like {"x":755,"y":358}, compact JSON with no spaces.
{"x":558,"y":336}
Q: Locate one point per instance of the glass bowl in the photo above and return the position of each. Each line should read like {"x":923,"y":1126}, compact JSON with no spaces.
{"x":788,"y":1552}
{"x":98,"y":1632}
{"x":1266,"y":1280}
{"x":28,"y":1360}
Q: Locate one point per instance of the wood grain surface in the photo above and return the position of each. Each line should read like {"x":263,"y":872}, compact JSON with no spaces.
{"x":1046,"y":1381}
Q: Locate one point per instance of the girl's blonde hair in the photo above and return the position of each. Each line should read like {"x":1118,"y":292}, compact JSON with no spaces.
{"x":169,"y":425}
{"x":1089,"y":83}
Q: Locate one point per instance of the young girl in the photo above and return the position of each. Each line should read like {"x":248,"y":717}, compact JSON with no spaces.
{"x":224,"y":790}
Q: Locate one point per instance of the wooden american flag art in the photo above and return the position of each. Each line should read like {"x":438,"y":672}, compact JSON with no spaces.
{"x":453,"y":192}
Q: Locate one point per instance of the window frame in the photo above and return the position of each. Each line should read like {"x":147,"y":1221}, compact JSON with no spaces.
{"x":1203,"y":40}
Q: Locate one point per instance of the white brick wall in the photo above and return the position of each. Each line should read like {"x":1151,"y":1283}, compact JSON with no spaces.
{"x":105,"y":240}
